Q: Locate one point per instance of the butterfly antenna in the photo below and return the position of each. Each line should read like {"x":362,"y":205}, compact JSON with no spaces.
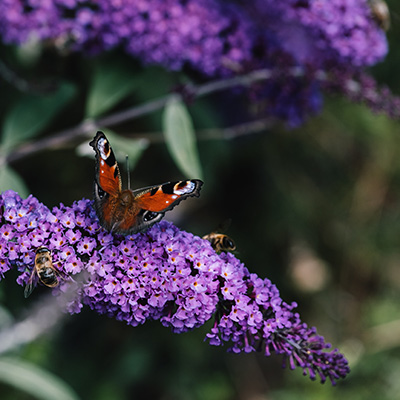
{"x":128,"y":171}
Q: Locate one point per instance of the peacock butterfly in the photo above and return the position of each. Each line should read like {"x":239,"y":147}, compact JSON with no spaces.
{"x":130,"y":211}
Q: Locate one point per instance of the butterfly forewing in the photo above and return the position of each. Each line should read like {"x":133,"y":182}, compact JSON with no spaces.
{"x":108,"y":176}
{"x":166,"y":196}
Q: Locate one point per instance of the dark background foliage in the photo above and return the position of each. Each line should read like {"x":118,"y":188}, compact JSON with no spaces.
{"x":315,"y":209}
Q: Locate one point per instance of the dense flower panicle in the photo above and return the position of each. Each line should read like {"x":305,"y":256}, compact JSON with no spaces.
{"x":203,"y":33}
{"x":213,"y":37}
{"x":162,"y":274}
{"x":325,"y":30}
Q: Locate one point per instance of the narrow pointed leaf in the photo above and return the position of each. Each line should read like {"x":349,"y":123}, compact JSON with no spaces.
{"x":9,"y":179}
{"x":181,"y":138}
{"x":112,"y":81}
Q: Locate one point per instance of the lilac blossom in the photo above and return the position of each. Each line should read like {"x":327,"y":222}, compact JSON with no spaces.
{"x":162,"y":274}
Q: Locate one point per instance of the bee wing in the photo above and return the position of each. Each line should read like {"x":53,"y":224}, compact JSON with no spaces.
{"x":224,"y":225}
{"x":60,"y":273}
{"x":32,"y":282}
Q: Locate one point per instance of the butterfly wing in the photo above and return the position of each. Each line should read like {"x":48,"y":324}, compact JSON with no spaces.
{"x":107,"y":184}
{"x":151,"y":203}
{"x":148,"y":205}
{"x":127,"y":211}
{"x":164,"y":197}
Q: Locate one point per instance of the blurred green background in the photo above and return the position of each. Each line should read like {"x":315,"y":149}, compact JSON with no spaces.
{"x":316,"y":209}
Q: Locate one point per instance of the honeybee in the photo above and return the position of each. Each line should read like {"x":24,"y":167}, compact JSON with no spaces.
{"x":220,"y":242}
{"x":43,"y":270}
{"x":380,"y":13}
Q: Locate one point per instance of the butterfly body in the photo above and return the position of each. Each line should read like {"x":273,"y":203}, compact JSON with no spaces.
{"x":129,"y":211}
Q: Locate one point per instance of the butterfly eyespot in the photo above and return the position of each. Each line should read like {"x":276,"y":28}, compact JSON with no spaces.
{"x":100,"y":192}
{"x":184,"y":187}
{"x":149,"y":216}
{"x":104,"y":148}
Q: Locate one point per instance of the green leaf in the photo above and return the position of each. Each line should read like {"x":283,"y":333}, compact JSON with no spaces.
{"x":122,"y":147}
{"x":34,"y":380}
{"x":112,"y":81}
{"x":181,"y":138}
{"x":9,"y":179}
{"x":32,"y":113}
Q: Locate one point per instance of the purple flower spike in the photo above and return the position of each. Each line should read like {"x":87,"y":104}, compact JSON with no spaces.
{"x":216,"y":39}
{"x":213,"y":36}
{"x":162,"y":274}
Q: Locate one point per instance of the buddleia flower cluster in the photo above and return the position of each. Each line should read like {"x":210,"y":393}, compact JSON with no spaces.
{"x":163,"y":274}
{"x":215,"y":38}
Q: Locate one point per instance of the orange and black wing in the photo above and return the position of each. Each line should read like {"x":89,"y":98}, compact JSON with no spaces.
{"x":151,"y":203}
{"x":107,"y":183}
